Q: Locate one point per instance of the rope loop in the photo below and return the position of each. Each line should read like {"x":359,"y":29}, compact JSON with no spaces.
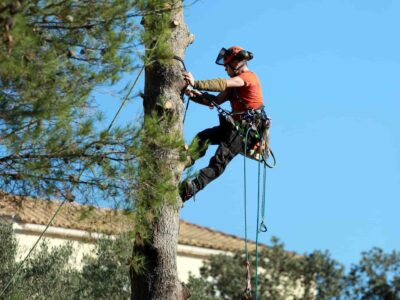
{"x":263,"y":227}
{"x":265,"y":158}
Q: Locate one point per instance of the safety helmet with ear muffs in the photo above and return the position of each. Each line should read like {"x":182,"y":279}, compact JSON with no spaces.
{"x":225,"y":56}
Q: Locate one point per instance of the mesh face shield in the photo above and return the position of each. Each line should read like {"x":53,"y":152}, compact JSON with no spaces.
{"x":223,"y":56}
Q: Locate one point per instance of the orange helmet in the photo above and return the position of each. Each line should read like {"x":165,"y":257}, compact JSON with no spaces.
{"x":225,"y":56}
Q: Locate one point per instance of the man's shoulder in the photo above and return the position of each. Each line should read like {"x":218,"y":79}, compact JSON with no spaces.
{"x":249,"y":76}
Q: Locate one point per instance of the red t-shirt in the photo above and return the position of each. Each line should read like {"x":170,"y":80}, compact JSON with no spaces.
{"x":248,"y":96}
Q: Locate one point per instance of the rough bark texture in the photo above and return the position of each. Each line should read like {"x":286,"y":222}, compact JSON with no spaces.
{"x":163,"y":85}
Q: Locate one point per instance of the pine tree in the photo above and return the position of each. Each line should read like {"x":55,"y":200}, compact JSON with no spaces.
{"x":52,"y":55}
{"x":153,"y":266}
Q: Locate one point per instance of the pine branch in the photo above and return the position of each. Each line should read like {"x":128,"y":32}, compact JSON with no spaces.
{"x":69,"y":179}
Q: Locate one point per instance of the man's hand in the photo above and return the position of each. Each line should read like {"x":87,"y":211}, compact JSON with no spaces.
{"x":188,"y":77}
{"x":193,"y":93}
{"x":201,"y":98}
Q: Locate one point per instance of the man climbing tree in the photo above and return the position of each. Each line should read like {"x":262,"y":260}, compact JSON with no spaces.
{"x":243,"y":90}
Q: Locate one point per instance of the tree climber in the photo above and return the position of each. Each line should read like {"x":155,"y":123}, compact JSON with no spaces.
{"x":243,"y":90}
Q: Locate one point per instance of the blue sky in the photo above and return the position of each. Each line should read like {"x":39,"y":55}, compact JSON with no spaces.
{"x":330,"y":71}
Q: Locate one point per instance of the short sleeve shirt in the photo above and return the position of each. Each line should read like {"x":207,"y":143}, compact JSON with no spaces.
{"x":248,"y":96}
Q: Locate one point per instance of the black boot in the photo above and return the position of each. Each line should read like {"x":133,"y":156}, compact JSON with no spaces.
{"x":188,"y":189}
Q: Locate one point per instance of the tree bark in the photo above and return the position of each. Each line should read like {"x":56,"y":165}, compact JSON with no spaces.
{"x":163,"y":86}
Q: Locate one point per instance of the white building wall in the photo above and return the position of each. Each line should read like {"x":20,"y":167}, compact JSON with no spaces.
{"x":189,"y":259}
{"x":26,"y":242}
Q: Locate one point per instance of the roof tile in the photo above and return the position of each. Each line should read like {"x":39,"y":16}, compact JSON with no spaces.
{"x":108,"y":221}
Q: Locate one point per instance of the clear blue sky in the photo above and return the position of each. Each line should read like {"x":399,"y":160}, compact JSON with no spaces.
{"x":330,"y":71}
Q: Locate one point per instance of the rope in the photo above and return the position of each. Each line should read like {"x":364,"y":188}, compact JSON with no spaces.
{"x":258,"y":227}
{"x":247,"y":290}
{"x":273,"y":159}
{"x":186,"y":109}
{"x":126,"y":97}
{"x":260,"y":202}
{"x":63,"y":202}
{"x":262,"y":227}
{"x":183,"y":93}
{"x":258,"y":214}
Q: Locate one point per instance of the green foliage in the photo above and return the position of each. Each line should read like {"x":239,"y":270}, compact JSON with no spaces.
{"x":321,"y":276}
{"x":105,"y":276}
{"x":45,"y":275}
{"x":157,"y":28}
{"x":53,"y":55}
{"x":201,"y":289}
{"x":8,"y":249}
{"x":158,"y":141}
{"x":229,"y":274}
{"x":375,"y":277}
{"x":281,"y":273}
{"x":49,"y":274}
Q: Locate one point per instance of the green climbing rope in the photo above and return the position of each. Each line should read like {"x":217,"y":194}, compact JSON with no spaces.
{"x":247,"y":290}
{"x":260,"y":202}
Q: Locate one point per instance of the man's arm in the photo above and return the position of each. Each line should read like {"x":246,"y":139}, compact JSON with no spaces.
{"x":207,"y":99}
{"x":234,"y":82}
{"x":215,"y":85}
{"x":223,"y":96}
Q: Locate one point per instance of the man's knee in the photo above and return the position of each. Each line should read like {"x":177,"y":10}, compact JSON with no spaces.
{"x":220,"y":160}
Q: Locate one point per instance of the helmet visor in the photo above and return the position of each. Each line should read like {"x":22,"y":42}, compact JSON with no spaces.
{"x":223,"y":53}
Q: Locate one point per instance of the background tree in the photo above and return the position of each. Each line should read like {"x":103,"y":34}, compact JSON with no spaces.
{"x":46,"y":275}
{"x":51,"y":274}
{"x":375,"y":277}
{"x":8,"y":250}
{"x":283,"y":275}
{"x":52,"y":55}
{"x":105,"y":275}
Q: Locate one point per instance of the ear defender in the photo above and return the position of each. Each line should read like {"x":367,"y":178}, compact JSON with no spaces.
{"x":244,"y":55}
{"x":235,"y":52}
{"x":250,"y":55}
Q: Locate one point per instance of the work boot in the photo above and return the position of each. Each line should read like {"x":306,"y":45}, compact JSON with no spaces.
{"x":188,"y":189}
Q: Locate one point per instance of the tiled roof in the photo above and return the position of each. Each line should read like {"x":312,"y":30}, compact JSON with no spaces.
{"x":108,"y":221}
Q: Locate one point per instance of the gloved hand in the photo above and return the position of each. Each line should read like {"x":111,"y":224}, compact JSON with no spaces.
{"x":188,"y":77}
{"x":201,"y":98}
{"x":193,"y":94}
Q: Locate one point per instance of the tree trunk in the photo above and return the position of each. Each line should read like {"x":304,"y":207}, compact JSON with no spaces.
{"x":163,"y":86}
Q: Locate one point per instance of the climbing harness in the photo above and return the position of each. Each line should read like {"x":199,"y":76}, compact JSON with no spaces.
{"x":257,"y":123}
